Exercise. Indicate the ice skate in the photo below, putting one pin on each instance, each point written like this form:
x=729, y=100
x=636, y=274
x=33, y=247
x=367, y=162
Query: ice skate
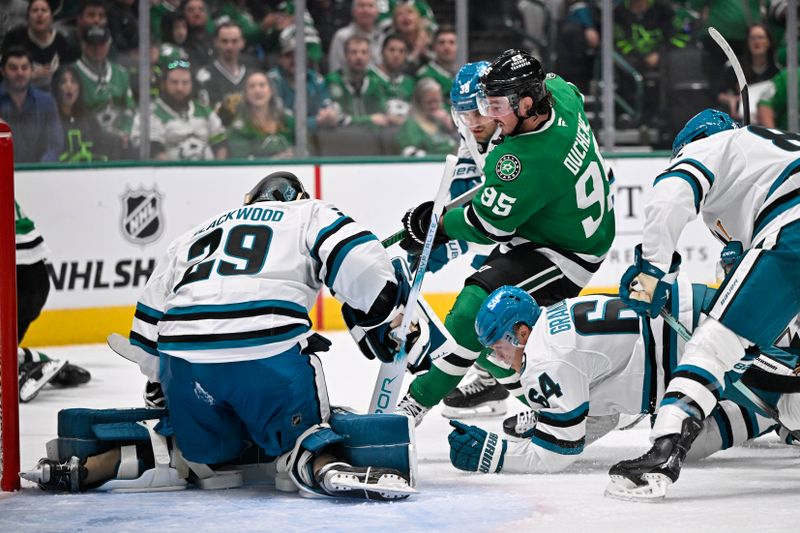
x=647, y=478
x=411, y=408
x=71, y=376
x=341, y=479
x=54, y=476
x=33, y=375
x=483, y=396
x=521, y=425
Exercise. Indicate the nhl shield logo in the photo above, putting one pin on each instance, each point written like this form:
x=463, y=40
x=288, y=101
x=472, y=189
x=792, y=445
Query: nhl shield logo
x=141, y=215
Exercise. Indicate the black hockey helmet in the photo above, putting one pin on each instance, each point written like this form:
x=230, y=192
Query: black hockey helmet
x=279, y=186
x=516, y=74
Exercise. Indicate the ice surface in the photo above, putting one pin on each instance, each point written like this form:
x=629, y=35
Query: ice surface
x=752, y=488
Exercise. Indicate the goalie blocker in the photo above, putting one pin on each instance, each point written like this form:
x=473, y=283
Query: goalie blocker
x=362, y=456
x=427, y=338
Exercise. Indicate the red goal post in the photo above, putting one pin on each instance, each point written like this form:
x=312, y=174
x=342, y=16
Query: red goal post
x=9, y=386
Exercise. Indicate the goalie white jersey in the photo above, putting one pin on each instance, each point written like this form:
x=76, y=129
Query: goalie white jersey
x=591, y=358
x=240, y=286
x=745, y=182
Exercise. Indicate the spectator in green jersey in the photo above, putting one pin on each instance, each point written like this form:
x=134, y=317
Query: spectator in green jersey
x=356, y=89
x=429, y=129
x=442, y=67
x=398, y=86
x=261, y=128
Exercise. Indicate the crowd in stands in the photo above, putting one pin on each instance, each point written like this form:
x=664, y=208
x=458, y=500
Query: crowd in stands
x=379, y=71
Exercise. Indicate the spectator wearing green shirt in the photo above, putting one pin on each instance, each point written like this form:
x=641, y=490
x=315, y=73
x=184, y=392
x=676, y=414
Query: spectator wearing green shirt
x=356, y=89
x=261, y=128
x=429, y=129
x=398, y=86
x=442, y=67
x=773, y=105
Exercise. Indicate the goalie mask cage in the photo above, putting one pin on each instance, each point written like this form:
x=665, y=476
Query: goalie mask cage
x=9, y=391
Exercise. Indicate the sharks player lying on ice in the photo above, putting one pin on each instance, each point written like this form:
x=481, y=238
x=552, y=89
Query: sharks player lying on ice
x=223, y=325
x=584, y=362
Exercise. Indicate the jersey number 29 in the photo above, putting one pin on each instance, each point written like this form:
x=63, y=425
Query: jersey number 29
x=245, y=243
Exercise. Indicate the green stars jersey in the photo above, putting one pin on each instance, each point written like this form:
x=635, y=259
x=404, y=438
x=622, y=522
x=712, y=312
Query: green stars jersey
x=548, y=187
x=30, y=245
x=358, y=103
x=398, y=90
x=189, y=135
x=108, y=96
x=441, y=75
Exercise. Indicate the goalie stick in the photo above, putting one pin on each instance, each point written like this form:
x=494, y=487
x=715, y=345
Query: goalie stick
x=390, y=376
x=741, y=388
x=737, y=69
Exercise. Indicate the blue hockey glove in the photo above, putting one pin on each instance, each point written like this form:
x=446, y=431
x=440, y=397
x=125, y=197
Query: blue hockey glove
x=728, y=257
x=644, y=287
x=475, y=450
x=444, y=253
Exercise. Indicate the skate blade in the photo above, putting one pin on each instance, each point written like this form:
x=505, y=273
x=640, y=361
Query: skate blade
x=387, y=486
x=31, y=388
x=488, y=409
x=36, y=475
x=622, y=488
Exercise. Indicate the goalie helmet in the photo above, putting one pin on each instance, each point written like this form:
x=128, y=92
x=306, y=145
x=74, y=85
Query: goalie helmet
x=515, y=74
x=464, y=93
x=704, y=124
x=279, y=186
x=506, y=307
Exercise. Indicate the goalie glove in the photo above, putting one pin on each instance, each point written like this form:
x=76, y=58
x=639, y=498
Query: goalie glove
x=416, y=222
x=476, y=450
x=376, y=334
x=644, y=287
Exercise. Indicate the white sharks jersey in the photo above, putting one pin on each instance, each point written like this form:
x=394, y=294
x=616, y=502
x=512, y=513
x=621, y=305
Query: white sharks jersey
x=240, y=285
x=745, y=183
x=591, y=356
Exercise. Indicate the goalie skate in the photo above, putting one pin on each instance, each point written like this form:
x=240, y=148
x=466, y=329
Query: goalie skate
x=341, y=479
x=55, y=476
x=34, y=375
x=478, y=398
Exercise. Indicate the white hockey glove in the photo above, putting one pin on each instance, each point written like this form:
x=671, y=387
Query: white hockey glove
x=476, y=450
x=644, y=287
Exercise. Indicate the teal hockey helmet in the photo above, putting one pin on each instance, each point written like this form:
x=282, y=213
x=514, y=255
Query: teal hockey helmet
x=506, y=307
x=704, y=124
x=464, y=94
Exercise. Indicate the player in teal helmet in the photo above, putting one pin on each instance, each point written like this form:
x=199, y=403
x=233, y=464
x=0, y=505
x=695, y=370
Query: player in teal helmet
x=704, y=124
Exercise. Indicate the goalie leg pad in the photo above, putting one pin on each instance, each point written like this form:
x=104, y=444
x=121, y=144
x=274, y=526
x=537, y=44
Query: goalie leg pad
x=381, y=441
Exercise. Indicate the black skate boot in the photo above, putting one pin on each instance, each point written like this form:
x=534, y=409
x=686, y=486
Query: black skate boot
x=54, y=476
x=71, y=376
x=483, y=396
x=34, y=375
x=646, y=478
x=342, y=479
x=520, y=425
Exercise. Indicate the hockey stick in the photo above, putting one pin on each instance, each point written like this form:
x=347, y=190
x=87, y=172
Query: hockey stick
x=390, y=376
x=737, y=69
x=741, y=388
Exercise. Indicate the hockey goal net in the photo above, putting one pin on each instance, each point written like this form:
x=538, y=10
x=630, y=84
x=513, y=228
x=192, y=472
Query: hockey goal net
x=9, y=391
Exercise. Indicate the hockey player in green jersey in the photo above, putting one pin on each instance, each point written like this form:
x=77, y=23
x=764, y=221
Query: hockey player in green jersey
x=546, y=200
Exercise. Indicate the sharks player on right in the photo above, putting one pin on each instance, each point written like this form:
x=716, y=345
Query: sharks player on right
x=746, y=184
x=585, y=361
